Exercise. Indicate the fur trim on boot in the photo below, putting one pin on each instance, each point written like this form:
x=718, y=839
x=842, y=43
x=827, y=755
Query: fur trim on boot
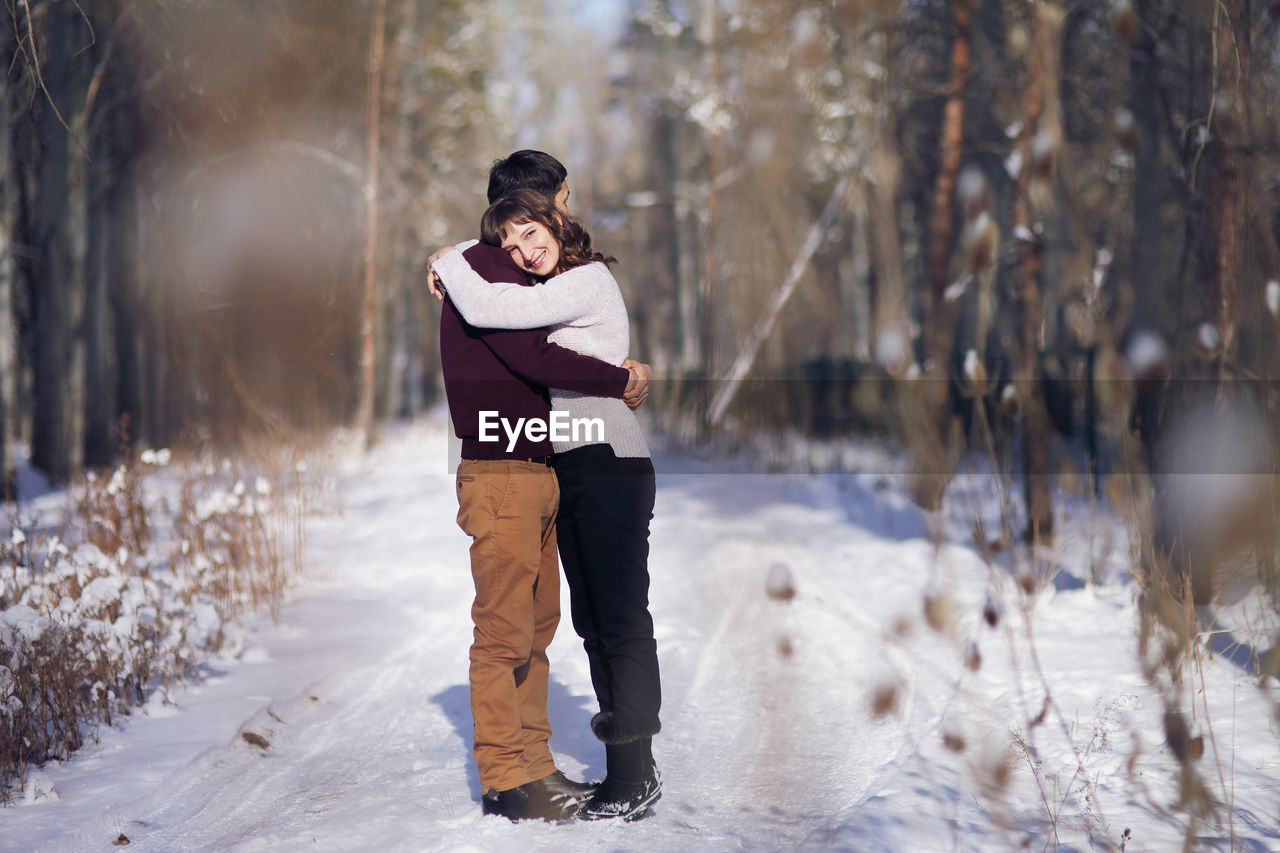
x=608, y=730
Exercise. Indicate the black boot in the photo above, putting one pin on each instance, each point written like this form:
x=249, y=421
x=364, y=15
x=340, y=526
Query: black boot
x=631, y=785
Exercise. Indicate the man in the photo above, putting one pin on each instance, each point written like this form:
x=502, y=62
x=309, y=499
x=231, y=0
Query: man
x=507, y=502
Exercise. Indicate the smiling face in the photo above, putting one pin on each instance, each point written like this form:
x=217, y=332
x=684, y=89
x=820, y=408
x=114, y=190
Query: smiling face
x=532, y=247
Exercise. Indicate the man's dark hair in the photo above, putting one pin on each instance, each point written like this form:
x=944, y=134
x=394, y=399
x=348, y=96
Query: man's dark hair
x=526, y=170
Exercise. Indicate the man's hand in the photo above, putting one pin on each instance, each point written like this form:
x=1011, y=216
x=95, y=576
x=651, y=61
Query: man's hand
x=434, y=284
x=637, y=390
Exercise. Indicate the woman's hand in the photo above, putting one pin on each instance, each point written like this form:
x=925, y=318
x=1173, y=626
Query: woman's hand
x=637, y=390
x=434, y=284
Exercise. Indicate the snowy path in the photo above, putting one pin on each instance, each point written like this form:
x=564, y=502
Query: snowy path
x=360, y=695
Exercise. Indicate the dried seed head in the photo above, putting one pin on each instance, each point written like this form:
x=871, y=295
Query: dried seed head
x=1147, y=356
x=1177, y=735
x=1124, y=20
x=988, y=546
x=893, y=350
x=1027, y=582
x=1043, y=146
x=884, y=699
x=991, y=612
x=975, y=374
x=902, y=627
x=778, y=583
x=1226, y=115
x=954, y=740
x=1208, y=338
x=1009, y=399
x=785, y=647
x=973, y=192
x=1126, y=128
x=1018, y=39
x=973, y=657
x=1000, y=772
x=979, y=240
x=939, y=611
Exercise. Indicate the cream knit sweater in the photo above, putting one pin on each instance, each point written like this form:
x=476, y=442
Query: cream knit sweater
x=584, y=310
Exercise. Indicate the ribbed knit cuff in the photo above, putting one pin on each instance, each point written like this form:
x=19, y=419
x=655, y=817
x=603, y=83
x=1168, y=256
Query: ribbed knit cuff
x=451, y=264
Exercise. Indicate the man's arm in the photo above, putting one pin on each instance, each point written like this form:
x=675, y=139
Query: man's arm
x=528, y=354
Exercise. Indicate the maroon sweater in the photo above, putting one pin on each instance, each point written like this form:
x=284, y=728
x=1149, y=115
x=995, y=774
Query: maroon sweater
x=508, y=370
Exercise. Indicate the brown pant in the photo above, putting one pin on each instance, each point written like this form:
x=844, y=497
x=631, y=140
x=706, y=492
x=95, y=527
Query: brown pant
x=509, y=509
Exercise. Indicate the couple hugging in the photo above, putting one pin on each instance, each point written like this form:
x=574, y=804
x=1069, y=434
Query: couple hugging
x=533, y=336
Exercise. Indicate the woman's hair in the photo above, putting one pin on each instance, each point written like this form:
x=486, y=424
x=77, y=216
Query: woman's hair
x=521, y=206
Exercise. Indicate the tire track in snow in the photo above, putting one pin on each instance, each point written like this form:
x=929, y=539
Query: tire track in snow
x=756, y=731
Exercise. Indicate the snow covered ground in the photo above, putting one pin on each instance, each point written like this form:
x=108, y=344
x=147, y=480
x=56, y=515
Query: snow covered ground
x=346, y=726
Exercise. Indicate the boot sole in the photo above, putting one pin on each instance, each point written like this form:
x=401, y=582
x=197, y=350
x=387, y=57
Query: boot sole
x=637, y=812
x=641, y=811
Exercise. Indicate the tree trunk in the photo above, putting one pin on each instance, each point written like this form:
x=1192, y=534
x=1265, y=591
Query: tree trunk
x=121, y=267
x=99, y=404
x=373, y=130
x=404, y=386
x=8, y=221
x=58, y=274
x=1231, y=170
x=663, y=243
x=939, y=320
x=1041, y=131
x=1148, y=182
x=707, y=281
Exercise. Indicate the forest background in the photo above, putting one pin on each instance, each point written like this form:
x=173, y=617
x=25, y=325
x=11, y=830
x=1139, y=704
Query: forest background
x=1042, y=231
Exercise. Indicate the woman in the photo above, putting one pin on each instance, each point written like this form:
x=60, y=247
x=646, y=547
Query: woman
x=607, y=485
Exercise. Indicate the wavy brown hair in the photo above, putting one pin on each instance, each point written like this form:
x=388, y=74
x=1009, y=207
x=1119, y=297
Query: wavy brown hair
x=521, y=206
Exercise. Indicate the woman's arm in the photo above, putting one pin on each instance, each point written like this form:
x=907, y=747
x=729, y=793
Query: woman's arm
x=433, y=280
x=561, y=299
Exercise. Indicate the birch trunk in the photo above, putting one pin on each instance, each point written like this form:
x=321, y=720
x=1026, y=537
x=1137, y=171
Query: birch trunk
x=369, y=313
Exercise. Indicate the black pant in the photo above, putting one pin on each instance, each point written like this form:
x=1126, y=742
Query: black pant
x=606, y=504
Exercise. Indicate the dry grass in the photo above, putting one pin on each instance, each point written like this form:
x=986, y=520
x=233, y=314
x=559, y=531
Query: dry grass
x=145, y=578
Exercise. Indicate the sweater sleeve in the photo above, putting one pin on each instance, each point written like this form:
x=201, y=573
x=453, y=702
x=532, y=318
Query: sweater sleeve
x=559, y=300
x=528, y=354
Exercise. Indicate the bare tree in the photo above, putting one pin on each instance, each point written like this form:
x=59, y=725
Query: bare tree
x=1230, y=168
x=58, y=222
x=368, y=329
x=1038, y=144
x=8, y=222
